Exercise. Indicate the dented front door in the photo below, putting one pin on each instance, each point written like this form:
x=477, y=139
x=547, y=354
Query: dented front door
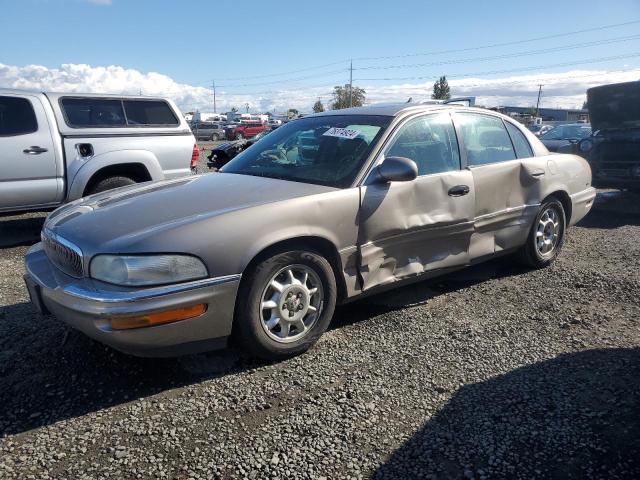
x=409, y=228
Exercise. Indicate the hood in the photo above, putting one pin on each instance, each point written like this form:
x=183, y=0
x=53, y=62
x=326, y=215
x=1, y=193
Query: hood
x=124, y=216
x=615, y=106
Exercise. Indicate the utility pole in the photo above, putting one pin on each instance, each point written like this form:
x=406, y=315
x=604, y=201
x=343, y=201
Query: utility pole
x=214, y=97
x=351, y=84
x=538, y=103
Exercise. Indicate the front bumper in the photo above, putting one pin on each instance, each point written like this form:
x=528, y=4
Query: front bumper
x=86, y=305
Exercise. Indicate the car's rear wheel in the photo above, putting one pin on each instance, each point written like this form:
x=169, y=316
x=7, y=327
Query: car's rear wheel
x=110, y=183
x=547, y=235
x=285, y=304
x=215, y=137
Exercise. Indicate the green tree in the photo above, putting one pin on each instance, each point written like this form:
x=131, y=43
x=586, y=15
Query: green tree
x=341, y=97
x=234, y=109
x=441, y=89
x=585, y=105
x=318, y=107
x=292, y=113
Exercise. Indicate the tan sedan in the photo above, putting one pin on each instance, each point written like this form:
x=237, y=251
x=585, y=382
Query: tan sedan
x=324, y=210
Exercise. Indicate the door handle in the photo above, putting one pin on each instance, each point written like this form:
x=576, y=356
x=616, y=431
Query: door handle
x=458, y=190
x=33, y=150
x=537, y=173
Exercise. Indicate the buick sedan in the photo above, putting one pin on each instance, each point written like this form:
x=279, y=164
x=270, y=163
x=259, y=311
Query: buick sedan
x=324, y=210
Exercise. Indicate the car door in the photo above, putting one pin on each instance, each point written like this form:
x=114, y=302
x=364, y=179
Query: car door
x=28, y=171
x=409, y=228
x=507, y=189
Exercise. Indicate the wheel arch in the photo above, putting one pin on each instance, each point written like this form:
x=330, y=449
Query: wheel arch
x=136, y=171
x=564, y=198
x=318, y=244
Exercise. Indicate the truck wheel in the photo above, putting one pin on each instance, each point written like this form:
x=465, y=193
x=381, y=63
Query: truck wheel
x=546, y=236
x=110, y=183
x=215, y=137
x=285, y=304
x=239, y=136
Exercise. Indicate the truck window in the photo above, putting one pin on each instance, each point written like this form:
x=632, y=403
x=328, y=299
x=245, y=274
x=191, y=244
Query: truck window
x=149, y=113
x=93, y=112
x=16, y=117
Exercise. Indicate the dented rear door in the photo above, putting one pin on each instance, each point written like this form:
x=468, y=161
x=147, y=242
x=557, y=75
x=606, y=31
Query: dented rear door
x=409, y=228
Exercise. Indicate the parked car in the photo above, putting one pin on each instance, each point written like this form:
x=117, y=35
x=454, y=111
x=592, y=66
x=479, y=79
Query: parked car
x=245, y=130
x=221, y=154
x=614, y=150
x=539, y=129
x=265, y=249
x=208, y=131
x=58, y=147
x=565, y=138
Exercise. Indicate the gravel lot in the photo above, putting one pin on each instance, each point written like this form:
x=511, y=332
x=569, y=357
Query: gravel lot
x=493, y=372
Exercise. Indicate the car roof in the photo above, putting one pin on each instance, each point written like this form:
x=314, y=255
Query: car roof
x=57, y=95
x=395, y=109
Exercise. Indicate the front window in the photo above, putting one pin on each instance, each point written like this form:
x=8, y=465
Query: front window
x=326, y=150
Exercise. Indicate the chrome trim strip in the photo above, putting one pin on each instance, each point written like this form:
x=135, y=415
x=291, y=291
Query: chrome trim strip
x=107, y=296
x=506, y=211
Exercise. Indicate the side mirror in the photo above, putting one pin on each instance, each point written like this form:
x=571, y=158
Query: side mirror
x=395, y=169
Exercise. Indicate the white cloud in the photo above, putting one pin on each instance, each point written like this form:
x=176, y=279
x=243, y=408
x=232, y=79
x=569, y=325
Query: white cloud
x=565, y=89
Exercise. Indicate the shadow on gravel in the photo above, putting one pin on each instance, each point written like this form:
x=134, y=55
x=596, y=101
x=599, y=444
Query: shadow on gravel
x=575, y=416
x=16, y=232
x=49, y=373
x=613, y=209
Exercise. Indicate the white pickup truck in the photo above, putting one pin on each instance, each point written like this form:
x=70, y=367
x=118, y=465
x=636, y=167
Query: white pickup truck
x=57, y=147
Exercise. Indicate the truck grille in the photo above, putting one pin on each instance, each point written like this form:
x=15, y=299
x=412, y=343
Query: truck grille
x=62, y=253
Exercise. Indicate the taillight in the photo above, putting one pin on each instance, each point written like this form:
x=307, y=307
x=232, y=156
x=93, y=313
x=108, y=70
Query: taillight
x=195, y=155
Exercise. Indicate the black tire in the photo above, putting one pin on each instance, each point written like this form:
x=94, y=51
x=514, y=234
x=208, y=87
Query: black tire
x=239, y=136
x=215, y=137
x=530, y=254
x=248, y=324
x=110, y=183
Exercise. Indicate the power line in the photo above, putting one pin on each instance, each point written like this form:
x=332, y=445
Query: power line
x=438, y=52
x=509, y=70
x=508, y=55
x=503, y=44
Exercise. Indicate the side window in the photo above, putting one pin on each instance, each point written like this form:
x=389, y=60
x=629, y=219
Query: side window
x=93, y=112
x=430, y=141
x=523, y=149
x=149, y=112
x=485, y=139
x=16, y=117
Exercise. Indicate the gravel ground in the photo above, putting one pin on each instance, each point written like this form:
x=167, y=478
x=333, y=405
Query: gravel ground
x=493, y=372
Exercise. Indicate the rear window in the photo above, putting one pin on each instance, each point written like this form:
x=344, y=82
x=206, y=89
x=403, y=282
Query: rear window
x=149, y=112
x=104, y=113
x=16, y=117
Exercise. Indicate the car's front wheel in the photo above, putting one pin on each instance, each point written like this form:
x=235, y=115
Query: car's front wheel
x=546, y=236
x=285, y=304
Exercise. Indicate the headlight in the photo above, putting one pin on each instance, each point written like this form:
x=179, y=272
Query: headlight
x=146, y=270
x=586, y=145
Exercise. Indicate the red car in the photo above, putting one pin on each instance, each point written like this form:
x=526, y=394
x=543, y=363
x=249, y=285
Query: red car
x=245, y=130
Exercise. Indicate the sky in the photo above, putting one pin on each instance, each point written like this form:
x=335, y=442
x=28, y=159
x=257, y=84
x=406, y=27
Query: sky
x=280, y=54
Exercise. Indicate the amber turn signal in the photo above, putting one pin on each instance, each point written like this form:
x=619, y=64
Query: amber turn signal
x=159, y=318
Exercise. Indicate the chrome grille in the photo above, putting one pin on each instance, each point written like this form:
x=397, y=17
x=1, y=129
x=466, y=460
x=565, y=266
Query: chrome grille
x=62, y=253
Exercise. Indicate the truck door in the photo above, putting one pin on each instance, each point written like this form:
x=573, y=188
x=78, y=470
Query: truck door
x=28, y=173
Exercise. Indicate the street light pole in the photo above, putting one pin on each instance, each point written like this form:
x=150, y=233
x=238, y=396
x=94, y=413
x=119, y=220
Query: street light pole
x=538, y=103
x=351, y=84
x=214, y=96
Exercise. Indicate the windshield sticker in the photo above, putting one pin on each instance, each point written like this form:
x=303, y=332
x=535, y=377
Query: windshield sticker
x=341, y=133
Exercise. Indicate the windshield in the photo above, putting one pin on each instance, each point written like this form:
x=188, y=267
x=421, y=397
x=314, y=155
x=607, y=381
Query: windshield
x=567, y=132
x=326, y=150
